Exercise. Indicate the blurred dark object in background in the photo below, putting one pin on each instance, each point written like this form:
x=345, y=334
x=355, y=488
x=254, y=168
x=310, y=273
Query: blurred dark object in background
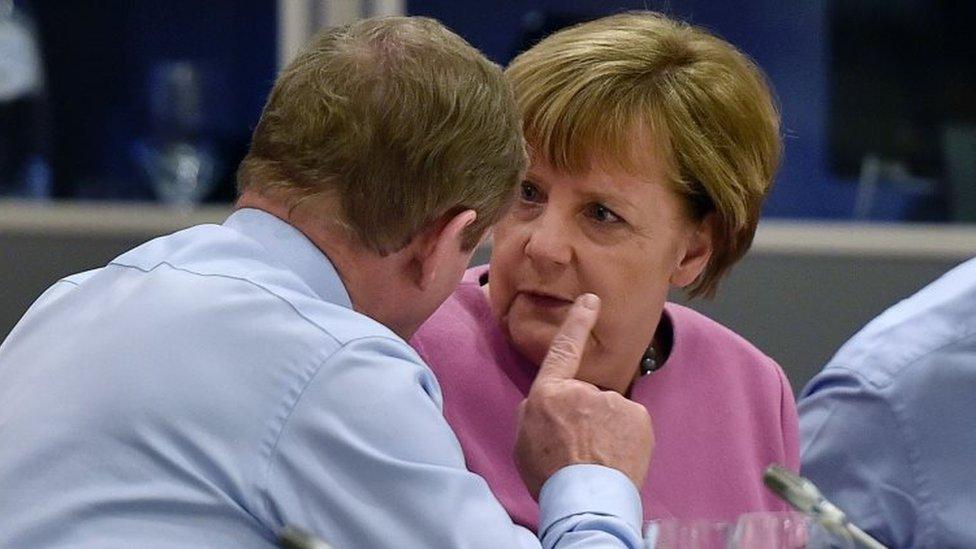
x=960, y=170
x=903, y=74
x=538, y=24
x=23, y=107
x=101, y=57
x=177, y=157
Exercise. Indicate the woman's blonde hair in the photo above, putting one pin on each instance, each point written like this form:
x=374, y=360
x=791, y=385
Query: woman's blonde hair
x=584, y=91
x=399, y=119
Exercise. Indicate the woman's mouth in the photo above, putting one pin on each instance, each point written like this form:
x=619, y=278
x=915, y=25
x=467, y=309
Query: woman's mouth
x=546, y=301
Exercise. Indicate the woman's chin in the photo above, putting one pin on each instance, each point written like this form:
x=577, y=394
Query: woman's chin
x=531, y=341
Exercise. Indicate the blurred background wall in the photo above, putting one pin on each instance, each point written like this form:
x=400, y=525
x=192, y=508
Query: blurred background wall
x=876, y=95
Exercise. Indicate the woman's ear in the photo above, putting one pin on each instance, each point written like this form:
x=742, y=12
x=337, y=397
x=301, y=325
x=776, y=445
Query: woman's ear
x=698, y=246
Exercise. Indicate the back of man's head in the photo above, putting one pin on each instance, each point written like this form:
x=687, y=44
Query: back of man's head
x=400, y=120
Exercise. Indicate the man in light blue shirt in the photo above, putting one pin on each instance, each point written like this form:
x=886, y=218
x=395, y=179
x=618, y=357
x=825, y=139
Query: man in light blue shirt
x=212, y=386
x=889, y=426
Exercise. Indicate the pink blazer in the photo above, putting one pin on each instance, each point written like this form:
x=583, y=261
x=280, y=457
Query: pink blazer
x=722, y=411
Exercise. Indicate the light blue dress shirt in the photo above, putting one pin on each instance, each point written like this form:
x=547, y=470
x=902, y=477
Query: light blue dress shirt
x=209, y=387
x=889, y=426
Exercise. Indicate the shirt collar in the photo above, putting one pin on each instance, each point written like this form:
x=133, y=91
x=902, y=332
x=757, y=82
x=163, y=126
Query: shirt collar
x=294, y=250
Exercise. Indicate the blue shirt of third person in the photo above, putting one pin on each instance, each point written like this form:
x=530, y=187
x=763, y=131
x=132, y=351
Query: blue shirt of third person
x=889, y=427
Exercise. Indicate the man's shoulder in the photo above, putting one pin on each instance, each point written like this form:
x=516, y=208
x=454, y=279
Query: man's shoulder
x=938, y=321
x=210, y=251
x=208, y=271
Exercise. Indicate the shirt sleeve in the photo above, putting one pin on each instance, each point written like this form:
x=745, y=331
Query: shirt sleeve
x=567, y=502
x=366, y=459
x=854, y=451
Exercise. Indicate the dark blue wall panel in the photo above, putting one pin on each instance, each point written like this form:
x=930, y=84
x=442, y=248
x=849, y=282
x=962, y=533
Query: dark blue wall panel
x=99, y=58
x=786, y=37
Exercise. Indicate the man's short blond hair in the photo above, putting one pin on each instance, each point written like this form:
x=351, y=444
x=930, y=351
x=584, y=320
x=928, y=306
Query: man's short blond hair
x=401, y=121
x=584, y=91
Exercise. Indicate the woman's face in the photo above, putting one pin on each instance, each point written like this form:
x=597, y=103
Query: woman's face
x=624, y=238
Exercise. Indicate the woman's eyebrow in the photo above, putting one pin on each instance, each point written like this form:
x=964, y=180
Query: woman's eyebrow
x=609, y=197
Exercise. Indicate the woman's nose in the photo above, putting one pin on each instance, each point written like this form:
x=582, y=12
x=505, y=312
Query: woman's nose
x=549, y=242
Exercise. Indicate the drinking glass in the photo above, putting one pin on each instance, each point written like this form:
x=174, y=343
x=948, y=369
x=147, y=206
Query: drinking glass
x=762, y=530
x=785, y=530
x=178, y=156
x=671, y=533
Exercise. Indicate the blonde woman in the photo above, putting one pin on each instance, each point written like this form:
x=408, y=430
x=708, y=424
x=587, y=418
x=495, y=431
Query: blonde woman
x=653, y=144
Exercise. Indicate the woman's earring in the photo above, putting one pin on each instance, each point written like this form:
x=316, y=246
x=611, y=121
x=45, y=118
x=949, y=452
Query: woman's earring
x=648, y=362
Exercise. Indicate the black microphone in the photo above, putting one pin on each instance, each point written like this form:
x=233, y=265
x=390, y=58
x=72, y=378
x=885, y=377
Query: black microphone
x=295, y=538
x=806, y=498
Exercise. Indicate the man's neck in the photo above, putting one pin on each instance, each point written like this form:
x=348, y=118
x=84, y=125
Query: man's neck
x=376, y=284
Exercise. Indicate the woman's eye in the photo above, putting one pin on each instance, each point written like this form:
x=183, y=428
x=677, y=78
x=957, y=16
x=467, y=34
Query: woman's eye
x=603, y=214
x=529, y=192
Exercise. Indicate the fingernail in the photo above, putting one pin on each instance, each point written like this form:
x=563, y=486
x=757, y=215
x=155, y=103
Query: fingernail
x=590, y=301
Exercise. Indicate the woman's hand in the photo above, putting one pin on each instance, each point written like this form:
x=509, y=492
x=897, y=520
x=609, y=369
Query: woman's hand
x=565, y=421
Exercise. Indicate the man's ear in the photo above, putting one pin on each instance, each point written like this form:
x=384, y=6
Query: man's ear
x=697, y=250
x=443, y=243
